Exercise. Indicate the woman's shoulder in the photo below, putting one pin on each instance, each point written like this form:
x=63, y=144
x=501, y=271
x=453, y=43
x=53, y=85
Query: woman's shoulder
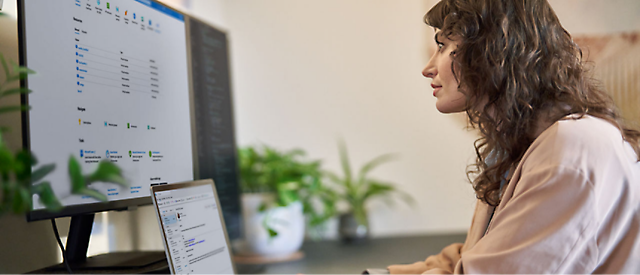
x=586, y=130
x=580, y=142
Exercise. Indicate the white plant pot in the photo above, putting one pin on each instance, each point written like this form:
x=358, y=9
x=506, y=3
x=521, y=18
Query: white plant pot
x=288, y=221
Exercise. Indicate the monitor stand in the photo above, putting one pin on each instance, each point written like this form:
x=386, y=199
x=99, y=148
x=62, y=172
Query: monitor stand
x=78, y=244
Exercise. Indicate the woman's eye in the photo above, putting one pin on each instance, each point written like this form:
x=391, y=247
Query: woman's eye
x=440, y=46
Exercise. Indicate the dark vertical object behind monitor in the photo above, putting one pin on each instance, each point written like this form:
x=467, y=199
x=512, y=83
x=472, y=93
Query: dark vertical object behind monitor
x=215, y=145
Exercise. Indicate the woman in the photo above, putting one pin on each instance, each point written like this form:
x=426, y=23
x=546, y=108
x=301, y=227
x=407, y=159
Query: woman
x=557, y=174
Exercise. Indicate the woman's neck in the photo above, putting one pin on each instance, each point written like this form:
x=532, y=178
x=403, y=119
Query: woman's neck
x=547, y=118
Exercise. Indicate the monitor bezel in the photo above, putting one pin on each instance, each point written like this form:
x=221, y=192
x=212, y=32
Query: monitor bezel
x=88, y=208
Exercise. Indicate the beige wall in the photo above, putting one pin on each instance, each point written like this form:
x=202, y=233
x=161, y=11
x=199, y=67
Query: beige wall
x=598, y=17
x=308, y=72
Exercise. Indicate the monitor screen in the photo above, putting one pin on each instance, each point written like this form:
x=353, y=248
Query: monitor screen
x=112, y=84
x=214, y=127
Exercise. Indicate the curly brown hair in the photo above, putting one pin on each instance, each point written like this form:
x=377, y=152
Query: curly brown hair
x=519, y=65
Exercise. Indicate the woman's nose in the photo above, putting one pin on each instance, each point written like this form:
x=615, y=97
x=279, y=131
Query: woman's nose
x=430, y=70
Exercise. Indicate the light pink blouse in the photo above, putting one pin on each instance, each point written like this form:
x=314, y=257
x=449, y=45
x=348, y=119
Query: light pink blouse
x=572, y=206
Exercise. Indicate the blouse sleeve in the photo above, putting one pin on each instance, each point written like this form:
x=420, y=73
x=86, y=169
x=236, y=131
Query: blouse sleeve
x=444, y=262
x=546, y=226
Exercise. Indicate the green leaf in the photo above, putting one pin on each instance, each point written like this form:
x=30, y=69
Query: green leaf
x=287, y=192
x=6, y=159
x=328, y=210
x=22, y=167
x=272, y=233
x=75, y=174
x=287, y=197
x=16, y=91
x=361, y=216
x=92, y=193
x=270, y=230
x=21, y=69
x=21, y=200
x=20, y=72
x=408, y=199
x=388, y=201
x=47, y=197
x=33, y=160
x=333, y=177
x=377, y=188
x=373, y=164
x=262, y=207
x=16, y=77
x=295, y=153
x=9, y=109
x=288, y=185
x=107, y=172
x=344, y=161
x=42, y=172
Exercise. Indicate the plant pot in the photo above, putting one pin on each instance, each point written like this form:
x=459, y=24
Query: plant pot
x=287, y=221
x=353, y=228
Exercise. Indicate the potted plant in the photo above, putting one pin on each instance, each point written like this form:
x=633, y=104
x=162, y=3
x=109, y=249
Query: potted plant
x=357, y=191
x=280, y=189
x=19, y=183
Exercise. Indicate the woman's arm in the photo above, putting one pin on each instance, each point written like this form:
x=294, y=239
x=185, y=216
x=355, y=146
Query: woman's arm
x=546, y=225
x=445, y=261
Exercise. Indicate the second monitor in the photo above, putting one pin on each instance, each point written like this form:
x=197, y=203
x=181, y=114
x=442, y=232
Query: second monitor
x=214, y=133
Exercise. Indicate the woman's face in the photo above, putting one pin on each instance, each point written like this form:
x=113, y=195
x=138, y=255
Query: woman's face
x=445, y=85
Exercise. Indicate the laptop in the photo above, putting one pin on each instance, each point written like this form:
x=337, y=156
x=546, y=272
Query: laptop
x=193, y=231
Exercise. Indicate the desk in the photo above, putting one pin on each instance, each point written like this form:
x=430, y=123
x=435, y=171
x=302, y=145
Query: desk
x=332, y=257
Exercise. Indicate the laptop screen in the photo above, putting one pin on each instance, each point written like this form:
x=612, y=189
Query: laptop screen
x=193, y=230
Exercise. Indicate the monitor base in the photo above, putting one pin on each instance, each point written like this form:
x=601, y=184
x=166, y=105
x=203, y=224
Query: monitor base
x=117, y=260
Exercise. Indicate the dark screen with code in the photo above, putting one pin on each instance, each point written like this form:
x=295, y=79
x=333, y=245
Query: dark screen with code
x=214, y=125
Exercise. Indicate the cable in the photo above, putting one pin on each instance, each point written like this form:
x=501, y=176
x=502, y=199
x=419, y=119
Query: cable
x=64, y=252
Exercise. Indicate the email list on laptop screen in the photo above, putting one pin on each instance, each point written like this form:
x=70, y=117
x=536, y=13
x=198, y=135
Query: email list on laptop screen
x=193, y=230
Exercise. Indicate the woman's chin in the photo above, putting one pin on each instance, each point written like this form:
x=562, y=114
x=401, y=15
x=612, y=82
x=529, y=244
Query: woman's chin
x=448, y=109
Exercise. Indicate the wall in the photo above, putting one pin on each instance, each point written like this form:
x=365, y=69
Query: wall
x=308, y=72
x=598, y=17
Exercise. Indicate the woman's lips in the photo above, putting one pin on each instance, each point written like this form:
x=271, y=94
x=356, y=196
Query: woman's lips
x=436, y=88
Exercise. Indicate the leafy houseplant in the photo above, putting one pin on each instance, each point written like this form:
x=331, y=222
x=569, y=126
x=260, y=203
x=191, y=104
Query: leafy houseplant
x=357, y=190
x=292, y=182
x=18, y=183
x=266, y=169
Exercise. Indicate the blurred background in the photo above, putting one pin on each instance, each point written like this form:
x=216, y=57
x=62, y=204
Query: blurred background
x=307, y=73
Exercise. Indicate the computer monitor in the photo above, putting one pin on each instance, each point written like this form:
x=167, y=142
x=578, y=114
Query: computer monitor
x=214, y=134
x=112, y=84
